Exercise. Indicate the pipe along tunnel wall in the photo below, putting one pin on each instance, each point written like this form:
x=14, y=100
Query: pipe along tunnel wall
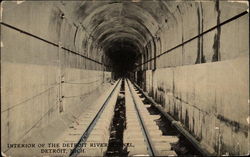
x=191, y=57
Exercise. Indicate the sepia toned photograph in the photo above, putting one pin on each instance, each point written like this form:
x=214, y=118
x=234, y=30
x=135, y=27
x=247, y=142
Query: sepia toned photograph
x=124, y=78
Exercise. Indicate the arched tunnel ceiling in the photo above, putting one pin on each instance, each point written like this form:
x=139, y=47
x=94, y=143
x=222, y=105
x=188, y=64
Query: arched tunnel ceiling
x=132, y=27
x=137, y=20
x=124, y=42
x=120, y=29
x=107, y=21
x=113, y=37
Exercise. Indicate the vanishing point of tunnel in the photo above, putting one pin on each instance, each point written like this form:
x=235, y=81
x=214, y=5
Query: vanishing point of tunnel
x=190, y=57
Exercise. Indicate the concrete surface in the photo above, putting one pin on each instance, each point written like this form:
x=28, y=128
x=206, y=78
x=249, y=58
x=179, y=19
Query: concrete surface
x=210, y=99
x=55, y=53
x=42, y=85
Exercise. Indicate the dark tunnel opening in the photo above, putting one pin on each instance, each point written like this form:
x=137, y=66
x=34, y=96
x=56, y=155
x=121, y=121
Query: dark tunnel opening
x=123, y=55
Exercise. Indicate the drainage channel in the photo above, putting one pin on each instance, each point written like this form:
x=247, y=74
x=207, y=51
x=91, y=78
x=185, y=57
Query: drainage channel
x=115, y=145
x=183, y=146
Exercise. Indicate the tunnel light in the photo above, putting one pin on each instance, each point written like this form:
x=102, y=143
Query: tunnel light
x=62, y=16
x=19, y=2
x=136, y=1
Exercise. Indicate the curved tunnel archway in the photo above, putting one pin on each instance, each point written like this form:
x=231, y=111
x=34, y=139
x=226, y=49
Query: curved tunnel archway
x=115, y=26
x=59, y=52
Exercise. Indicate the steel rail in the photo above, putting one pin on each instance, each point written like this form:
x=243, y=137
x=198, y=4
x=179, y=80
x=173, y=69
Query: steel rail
x=202, y=149
x=87, y=132
x=151, y=148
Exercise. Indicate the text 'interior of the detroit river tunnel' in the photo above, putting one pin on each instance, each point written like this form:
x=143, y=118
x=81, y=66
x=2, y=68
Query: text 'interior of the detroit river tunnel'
x=67, y=64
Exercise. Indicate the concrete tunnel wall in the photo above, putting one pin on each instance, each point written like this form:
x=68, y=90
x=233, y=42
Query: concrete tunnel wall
x=204, y=83
x=43, y=82
x=54, y=57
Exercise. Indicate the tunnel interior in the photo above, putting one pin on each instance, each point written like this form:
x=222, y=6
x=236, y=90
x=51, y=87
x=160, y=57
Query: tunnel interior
x=192, y=57
x=121, y=31
x=123, y=55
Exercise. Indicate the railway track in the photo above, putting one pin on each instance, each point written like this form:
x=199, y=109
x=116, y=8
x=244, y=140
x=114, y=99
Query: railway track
x=142, y=130
x=119, y=124
x=97, y=131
